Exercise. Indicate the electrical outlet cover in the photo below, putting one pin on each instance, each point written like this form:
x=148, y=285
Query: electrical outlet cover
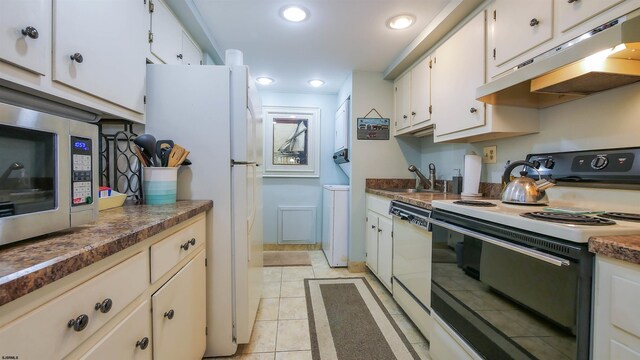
x=490, y=154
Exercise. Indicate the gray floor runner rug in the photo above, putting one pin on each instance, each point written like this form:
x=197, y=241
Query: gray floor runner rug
x=347, y=321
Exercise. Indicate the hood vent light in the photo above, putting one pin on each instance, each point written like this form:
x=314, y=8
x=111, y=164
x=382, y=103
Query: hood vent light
x=573, y=70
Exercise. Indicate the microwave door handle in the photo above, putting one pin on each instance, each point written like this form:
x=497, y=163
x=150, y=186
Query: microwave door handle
x=554, y=260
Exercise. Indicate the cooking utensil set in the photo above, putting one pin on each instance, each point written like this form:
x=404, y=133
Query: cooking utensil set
x=160, y=153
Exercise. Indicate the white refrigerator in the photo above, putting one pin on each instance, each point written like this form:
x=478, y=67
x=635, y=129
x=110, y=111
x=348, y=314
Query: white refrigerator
x=335, y=224
x=215, y=112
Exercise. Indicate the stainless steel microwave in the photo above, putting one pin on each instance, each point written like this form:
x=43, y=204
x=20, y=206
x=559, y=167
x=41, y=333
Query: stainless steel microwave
x=48, y=173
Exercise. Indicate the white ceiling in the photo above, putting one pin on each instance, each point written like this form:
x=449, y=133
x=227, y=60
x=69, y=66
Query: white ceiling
x=338, y=37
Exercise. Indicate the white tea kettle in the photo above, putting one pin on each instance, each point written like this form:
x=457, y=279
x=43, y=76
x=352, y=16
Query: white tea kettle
x=524, y=190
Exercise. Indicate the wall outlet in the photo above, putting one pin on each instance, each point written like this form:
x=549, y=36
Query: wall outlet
x=489, y=154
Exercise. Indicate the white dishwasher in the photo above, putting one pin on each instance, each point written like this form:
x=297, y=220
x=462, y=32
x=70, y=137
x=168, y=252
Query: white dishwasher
x=412, y=248
x=335, y=224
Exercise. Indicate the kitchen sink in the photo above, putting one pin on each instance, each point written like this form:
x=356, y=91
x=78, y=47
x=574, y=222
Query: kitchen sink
x=410, y=190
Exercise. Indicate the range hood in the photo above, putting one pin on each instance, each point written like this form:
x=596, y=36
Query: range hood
x=601, y=59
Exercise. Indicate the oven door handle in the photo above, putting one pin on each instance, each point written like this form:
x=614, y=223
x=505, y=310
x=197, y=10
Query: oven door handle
x=554, y=260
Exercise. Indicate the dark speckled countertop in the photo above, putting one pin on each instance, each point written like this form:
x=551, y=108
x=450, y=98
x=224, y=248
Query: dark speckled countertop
x=625, y=248
x=29, y=265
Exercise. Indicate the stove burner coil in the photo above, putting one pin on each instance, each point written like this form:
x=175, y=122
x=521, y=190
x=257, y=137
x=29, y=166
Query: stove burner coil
x=621, y=216
x=564, y=218
x=474, y=203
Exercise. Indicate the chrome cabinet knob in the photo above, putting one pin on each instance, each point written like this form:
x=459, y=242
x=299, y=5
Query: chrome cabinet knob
x=104, y=306
x=31, y=32
x=179, y=56
x=473, y=110
x=534, y=22
x=169, y=314
x=571, y=1
x=143, y=343
x=79, y=323
x=413, y=113
x=77, y=57
x=404, y=116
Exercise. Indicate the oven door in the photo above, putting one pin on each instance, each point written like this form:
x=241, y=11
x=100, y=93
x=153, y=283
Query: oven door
x=412, y=272
x=508, y=300
x=34, y=173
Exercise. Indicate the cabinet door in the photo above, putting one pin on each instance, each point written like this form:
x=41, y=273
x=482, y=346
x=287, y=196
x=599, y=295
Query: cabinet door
x=167, y=34
x=520, y=25
x=385, y=250
x=458, y=69
x=191, y=54
x=29, y=51
x=179, y=314
x=372, y=241
x=421, y=93
x=110, y=39
x=572, y=13
x=127, y=340
x=403, y=102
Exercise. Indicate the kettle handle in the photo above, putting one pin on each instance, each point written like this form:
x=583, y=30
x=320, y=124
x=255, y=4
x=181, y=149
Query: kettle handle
x=513, y=165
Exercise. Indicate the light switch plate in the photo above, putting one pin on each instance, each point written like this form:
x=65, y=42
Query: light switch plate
x=490, y=154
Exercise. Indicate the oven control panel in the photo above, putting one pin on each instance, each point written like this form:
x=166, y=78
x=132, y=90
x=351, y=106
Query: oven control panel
x=82, y=168
x=414, y=215
x=606, y=165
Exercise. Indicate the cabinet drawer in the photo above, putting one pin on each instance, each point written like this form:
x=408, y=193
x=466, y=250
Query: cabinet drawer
x=624, y=310
x=168, y=252
x=126, y=341
x=48, y=325
x=379, y=204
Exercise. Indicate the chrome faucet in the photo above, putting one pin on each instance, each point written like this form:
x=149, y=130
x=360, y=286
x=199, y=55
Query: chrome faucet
x=421, y=181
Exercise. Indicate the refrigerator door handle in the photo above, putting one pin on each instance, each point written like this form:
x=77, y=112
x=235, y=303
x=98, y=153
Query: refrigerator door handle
x=234, y=163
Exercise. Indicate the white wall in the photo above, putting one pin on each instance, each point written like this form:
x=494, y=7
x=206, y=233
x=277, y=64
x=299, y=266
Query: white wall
x=372, y=158
x=607, y=120
x=302, y=191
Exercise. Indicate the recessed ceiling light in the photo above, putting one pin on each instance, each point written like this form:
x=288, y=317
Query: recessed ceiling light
x=400, y=22
x=316, y=82
x=263, y=80
x=294, y=13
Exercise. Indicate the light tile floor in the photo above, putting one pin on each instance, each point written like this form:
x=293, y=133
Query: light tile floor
x=281, y=331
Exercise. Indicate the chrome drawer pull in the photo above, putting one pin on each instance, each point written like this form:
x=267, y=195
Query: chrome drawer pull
x=169, y=314
x=79, y=323
x=142, y=344
x=104, y=306
x=554, y=260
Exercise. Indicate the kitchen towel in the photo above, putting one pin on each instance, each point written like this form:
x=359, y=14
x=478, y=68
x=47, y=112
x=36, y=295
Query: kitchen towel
x=471, y=179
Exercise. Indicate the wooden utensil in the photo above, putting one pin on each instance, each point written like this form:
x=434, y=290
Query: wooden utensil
x=143, y=160
x=176, y=156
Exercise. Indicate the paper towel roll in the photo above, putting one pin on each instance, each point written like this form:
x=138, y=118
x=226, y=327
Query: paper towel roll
x=233, y=57
x=471, y=180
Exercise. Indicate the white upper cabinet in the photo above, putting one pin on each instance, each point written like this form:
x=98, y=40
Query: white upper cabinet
x=191, y=54
x=167, y=34
x=520, y=25
x=169, y=42
x=25, y=34
x=458, y=69
x=403, y=102
x=573, y=12
x=412, y=99
x=99, y=47
x=420, y=93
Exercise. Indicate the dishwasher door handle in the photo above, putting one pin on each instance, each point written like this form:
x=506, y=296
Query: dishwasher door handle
x=554, y=260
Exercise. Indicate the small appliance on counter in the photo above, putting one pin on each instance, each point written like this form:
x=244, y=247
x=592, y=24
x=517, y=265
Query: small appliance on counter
x=49, y=166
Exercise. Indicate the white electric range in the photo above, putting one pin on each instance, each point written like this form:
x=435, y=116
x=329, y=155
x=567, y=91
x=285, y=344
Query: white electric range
x=515, y=281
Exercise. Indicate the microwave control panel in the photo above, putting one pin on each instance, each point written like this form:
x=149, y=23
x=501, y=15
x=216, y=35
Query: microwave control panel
x=81, y=178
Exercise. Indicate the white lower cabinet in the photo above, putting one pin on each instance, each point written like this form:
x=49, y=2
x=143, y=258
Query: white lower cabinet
x=131, y=339
x=179, y=314
x=379, y=242
x=616, y=323
x=62, y=324
x=104, y=310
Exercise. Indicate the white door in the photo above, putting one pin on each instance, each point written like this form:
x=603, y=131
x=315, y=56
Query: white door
x=109, y=38
x=385, y=249
x=191, y=54
x=29, y=51
x=341, y=127
x=167, y=34
x=372, y=241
